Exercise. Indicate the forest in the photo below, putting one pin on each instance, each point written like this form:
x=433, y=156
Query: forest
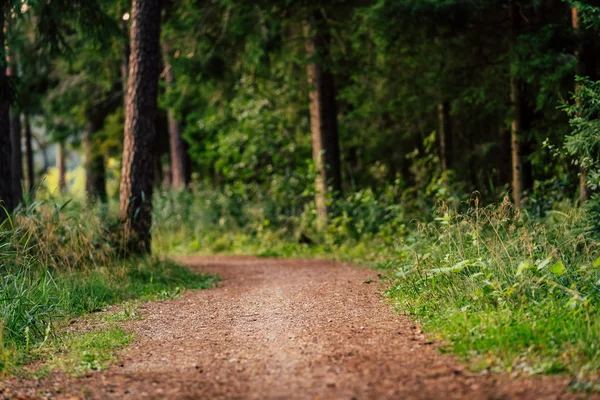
x=453, y=147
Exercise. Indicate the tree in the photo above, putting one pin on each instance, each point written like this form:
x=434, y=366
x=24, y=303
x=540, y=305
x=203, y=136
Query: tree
x=29, y=155
x=15, y=134
x=7, y=195
x=516, y=127
x=61, y=166
x=140, y=132
x=586, y=67
x=176, y=145
x=445, y=136
x=95, y=170
x=323, y=114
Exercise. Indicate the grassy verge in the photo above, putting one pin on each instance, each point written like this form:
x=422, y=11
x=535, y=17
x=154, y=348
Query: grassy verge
x=57, y=264
x=503, y=290
x=37, y=302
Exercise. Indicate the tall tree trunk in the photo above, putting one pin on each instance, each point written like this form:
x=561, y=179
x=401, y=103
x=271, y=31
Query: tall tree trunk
x=61, y=166
x=125, y=53
x=515, y=143
x=587, y=67
x=504, y=159
x=445, y=136
x=6, y=184
x=140, y=132
x=187, y=164
x=16, y=156
x=95, y=170
x=176, y=147
x=29, y=155
x=516, y=98
x=323, y=116
x=15, y=133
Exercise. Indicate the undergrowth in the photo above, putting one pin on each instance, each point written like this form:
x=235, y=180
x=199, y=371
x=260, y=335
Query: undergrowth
x=58, y=263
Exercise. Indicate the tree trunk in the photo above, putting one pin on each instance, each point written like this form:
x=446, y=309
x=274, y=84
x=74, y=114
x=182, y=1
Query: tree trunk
x=187, y=164
x=323, y=116
x=516, y=99
x=16, y=156
x=6, y=184
x=587, y=67
x=61, y=167
x=140, y=132
x=125, y=53
x=29, y=156
x=515, y=143
x=445, y=136
x=15, y=135
x=504, y=159
x=95, y=170
x=176, y=147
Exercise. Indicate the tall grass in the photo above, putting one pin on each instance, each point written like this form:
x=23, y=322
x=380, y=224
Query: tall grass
x=506, y=290
x=62, y=261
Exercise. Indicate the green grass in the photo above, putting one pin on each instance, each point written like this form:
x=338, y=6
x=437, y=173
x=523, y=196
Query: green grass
x=58, y=263
x=36, y=301
x=78, y=353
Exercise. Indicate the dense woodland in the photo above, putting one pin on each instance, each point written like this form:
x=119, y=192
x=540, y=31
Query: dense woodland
x=424, y=96
x=303, y=127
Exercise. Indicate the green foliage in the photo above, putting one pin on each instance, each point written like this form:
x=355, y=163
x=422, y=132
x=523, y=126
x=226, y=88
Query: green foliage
x=506, y=292
x=583, y=143
x=584, y=140
x=78, y=353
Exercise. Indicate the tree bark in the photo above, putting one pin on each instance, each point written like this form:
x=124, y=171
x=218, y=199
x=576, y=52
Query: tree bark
x=140, y=132
x=95, y=170
x=61, y=167
x=323, y=116
x=176, y=146
x=6, y=184
x=445, y=136
x=29, y=155
x=515, y=144
x=125, y=53
x=15, y=138
x=16, y=156
x=516, y=99
x=587, y=67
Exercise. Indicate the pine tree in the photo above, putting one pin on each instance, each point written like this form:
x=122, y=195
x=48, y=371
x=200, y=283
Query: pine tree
x=137, y=176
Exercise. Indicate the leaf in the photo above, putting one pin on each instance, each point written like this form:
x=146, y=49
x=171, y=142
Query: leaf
x=596, y=263
x=543, y=264
x=455, y=268
x=523, y=266
x=558, y=269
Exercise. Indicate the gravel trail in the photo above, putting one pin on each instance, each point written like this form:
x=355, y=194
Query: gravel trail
x=283, y=329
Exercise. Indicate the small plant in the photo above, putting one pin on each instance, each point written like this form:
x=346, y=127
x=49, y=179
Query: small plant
x=77, y=353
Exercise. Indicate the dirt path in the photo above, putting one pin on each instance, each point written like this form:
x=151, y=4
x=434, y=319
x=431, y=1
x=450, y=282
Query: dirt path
x=278, y=329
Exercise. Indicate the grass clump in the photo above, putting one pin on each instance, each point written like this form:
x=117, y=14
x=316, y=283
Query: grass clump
x=55, y=264
x=77, y=353
x=504, y=290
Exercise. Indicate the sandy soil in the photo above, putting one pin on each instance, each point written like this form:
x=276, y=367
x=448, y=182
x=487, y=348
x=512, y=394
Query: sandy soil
x=283, y=329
